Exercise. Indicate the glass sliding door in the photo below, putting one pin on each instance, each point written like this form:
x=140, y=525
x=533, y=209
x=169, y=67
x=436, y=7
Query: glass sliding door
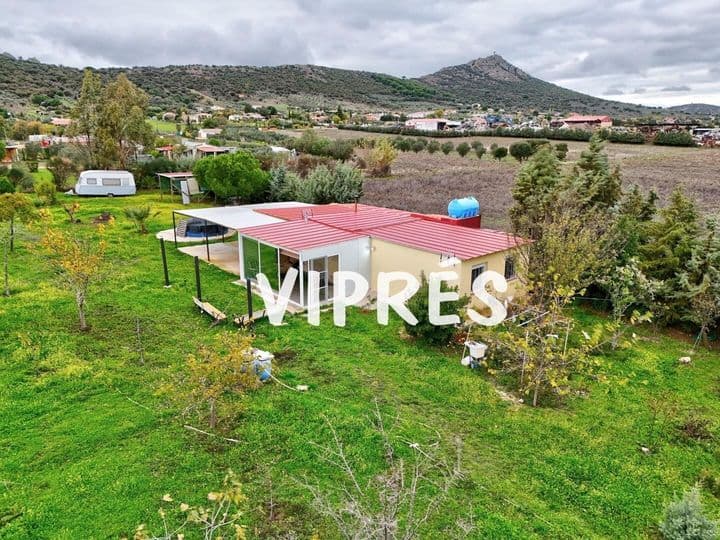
x=259, y=257
x=325, y=266
x=251, y=257
x=269, y=265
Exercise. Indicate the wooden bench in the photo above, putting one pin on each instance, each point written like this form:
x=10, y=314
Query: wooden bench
x=207, y=307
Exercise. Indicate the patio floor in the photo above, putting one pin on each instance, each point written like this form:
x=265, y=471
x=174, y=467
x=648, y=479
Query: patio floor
x=223, y=255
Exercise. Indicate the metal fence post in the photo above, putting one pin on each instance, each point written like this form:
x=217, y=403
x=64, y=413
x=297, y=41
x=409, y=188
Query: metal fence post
x=197, y=278
x=164, y=261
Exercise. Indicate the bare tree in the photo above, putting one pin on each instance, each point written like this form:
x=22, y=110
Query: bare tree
x=392, y=505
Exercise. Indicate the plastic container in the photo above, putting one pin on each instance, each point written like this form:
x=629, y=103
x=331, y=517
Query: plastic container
x=476, y=349
x=464, y=208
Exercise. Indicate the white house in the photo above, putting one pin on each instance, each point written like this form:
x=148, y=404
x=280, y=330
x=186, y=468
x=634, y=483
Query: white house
x=206, y=133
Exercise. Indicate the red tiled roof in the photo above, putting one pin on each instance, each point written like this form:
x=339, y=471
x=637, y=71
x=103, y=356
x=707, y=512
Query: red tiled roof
x=365, y=219
x=463, y=242
x=333, y=223
x=290, y=213
x=299, y=235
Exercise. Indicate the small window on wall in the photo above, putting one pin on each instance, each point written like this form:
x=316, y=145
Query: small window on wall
x=91, y=181
x=475, y=273
x=111, y=182
x=510, y=268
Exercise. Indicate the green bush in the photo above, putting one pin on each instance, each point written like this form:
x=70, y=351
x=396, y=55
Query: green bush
x=21, y=177
x=310, y=143
x=433, y=146
x=6, y=186
x=463, y=149
x=521, y=150
x=402, y=144
x=323, y=185
x=561, y=150
x=624, y=137
x=424, y=330
x=674, y=138
x=46, y=191
x=145, y=173
x=283, y=184
x=447, y=147
x=418, y=145
x=500, y=153
x=233, y=176
x=686, y=520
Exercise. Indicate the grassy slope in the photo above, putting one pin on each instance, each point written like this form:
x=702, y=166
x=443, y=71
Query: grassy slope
x=81, y=460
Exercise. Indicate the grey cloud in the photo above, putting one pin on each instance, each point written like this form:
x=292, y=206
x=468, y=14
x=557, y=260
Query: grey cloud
x=614, y=91
x=639, y=90
x=678, y=88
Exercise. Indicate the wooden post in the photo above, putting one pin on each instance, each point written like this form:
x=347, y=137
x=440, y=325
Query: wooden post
x=248, y=286
x=174, y=229
x=164, y=261
x=197, y=278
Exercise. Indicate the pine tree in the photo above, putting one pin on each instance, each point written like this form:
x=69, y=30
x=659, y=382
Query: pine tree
x=700, y=282
x=667, y=250
x=594, y=181
x=535, y=191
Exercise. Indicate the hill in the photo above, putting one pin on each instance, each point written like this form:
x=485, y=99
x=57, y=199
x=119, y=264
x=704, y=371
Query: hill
x=701, y=109
x=491, y=81
x=495, y=82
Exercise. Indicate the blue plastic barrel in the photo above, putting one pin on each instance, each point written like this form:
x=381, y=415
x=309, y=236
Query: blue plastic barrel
x=464, y=208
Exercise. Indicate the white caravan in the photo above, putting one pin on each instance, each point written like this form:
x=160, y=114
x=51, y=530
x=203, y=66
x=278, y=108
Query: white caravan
x=107, y=183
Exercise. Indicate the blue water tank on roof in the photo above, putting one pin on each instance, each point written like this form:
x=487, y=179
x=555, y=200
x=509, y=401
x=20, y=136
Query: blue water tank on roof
x=464, y=208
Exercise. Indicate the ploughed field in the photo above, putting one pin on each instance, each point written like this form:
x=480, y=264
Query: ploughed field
x=426, y=182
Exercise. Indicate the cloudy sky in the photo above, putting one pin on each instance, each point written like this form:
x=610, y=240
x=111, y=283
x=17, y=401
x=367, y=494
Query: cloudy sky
x=661, y=52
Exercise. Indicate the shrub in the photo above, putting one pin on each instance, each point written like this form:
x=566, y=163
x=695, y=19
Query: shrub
x=324, y=185
x=140, y=215
x=6, y=186
x=46, y=191
x=61, y=169
x=480, y=150
x=521, y=150
x=463, y=148
x=418, y=145
x=381, y=158
x=310, y=143
x=561, y=150
x=21, y=177
x=233, y=176
x=424, y=330
x=32, y=166
x=447, y=148
x=433, y=146
x=402, y=144
x=145, y=173
x=305, y=164
x=283, y=184
x=686, y=520
x=626, y=137
x=500, y=153
x=670, y=138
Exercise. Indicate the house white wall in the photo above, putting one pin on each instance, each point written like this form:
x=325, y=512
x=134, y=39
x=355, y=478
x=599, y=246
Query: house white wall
x=354, y=255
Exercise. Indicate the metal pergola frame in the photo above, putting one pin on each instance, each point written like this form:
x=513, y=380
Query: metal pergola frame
x=205, y=235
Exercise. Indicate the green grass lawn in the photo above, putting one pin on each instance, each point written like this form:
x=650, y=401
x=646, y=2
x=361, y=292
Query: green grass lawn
x=163, y=126
x=89, y=447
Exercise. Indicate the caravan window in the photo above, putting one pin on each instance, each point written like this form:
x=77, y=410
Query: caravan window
x=91, y=181
x=110, y=181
